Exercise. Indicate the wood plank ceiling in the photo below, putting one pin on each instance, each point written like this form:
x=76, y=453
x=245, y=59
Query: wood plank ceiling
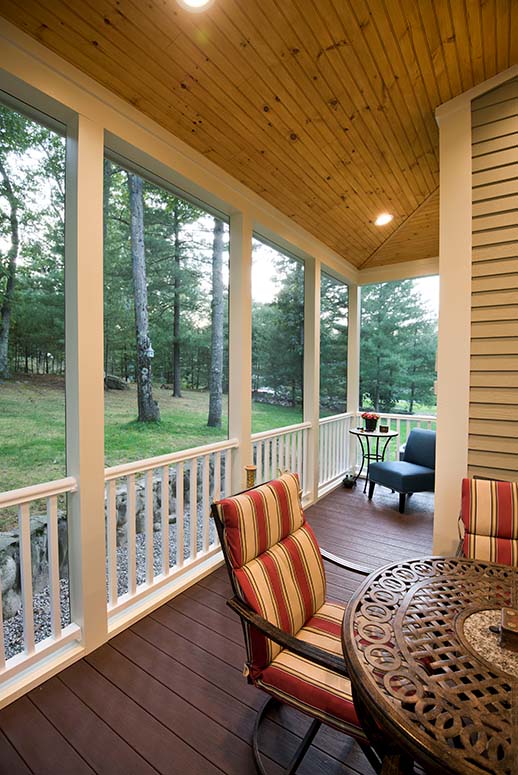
x=323, y=107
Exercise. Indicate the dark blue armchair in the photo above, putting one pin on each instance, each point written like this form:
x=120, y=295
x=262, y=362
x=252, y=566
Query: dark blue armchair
x=414, y=473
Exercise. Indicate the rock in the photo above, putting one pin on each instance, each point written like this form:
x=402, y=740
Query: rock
x=112, y=382
x=8, y=572
x=11, y=604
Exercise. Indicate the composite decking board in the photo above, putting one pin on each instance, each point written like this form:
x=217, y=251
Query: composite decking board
x=42, y=747
x=180, y=710
x=211, y=641
x=152, y=739
x=230, y=680
x=168, y=694
x=102, y=748
x=10, y=759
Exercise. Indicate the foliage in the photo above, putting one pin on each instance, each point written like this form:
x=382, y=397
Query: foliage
x=333, y=345
x=398, y=345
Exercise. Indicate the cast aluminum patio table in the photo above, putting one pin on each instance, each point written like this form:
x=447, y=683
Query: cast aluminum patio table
x=377, y=452
x=430, y=681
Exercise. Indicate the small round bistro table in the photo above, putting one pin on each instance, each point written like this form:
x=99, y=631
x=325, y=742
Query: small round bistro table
x=377, y=451
x=427, y=687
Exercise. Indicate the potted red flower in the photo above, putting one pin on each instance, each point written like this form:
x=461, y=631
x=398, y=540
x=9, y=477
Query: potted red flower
x=371, y=420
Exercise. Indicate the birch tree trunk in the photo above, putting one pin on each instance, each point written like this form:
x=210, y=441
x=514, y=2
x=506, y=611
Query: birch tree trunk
x=10, y=272
x=216, y=350
x=177, y=373
x=148, y=410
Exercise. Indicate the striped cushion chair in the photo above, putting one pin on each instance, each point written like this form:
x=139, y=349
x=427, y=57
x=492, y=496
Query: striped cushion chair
x=292, y=633
x=489, y=519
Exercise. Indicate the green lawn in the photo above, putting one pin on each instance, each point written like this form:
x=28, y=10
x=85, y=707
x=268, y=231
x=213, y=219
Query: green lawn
x=32, y=427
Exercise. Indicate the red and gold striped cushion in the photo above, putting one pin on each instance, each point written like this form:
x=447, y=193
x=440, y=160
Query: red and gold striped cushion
x=490, y=517
x=256, y=520
x=311, y=688
x=286, y=586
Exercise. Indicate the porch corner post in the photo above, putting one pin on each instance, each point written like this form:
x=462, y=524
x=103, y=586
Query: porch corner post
x=312, y=275
x=240, y=346
x=353, y=363
x=454, y=345
x=84, y=379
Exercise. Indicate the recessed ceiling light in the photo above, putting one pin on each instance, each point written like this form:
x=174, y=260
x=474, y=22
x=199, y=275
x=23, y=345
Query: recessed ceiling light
x=383, y=219
x=195, y=5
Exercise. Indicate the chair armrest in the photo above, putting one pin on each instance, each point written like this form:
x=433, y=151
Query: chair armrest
x=345, y=564
x=297, y=646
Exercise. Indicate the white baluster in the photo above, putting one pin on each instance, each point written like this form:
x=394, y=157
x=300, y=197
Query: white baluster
x=216, y=487
x=149, y=526
x=193, y=508
x=164, y=492
x=298, y=465
x=53, y=552
x=205, y=503
x=111, y=531
x=179, y=506
x=24, y=528
x=228, y=472
x=267, y=459
x=293, y=446
x=258, y=461
x=132, y=534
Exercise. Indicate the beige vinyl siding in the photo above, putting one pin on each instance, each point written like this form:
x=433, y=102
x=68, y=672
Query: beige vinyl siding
x=493, y=428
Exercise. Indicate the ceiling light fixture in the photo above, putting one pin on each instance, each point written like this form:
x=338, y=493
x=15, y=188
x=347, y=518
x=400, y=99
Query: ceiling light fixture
x=383, y=219
x=195, y=5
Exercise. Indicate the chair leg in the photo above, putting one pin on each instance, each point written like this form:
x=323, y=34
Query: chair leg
x=303, y=747
x=371, y=489
x=299, y=753
x=401, y=502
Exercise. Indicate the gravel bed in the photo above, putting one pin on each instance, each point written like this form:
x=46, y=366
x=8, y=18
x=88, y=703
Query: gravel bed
x=13, y=628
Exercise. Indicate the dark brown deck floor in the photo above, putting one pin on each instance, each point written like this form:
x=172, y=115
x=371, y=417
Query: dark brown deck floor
x=168, y=696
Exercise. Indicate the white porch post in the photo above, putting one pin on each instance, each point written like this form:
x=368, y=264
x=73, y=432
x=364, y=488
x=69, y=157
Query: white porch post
x=240, y=346
x=84, y=379
x=353, y=362
x=312, y=271
x=453, y=356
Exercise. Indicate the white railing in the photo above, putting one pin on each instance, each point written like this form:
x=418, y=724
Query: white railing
x=282, y=449
x=403, y=424
x=334, y=446
x=45, y=626
x=338, y=452
x=158, y=519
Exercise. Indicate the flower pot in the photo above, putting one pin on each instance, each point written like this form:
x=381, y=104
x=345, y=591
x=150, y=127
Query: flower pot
x=370, y=424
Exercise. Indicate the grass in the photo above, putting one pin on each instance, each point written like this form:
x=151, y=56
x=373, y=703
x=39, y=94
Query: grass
x=32, y=427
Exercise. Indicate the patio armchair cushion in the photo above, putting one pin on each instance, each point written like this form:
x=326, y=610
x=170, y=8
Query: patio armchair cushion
x=490, y=519
x=309, y=687
x=402, y=476
x=277, y=570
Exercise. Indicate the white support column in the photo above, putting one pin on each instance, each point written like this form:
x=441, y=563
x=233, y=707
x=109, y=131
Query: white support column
x=84, y=379
x=312, y=271
x=453, y=356
x=353, y=362
x=240, y=346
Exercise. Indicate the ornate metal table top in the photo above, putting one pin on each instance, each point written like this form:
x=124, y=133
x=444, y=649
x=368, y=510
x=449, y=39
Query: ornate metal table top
x=418, y=676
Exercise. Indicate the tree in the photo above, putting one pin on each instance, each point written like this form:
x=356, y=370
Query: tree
x=9, y=271
x=393, y=315
x=333, y=345
x=148, y=410
x=216, y=349
x=32, y=226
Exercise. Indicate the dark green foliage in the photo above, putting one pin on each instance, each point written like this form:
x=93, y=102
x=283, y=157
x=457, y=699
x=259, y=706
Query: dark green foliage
x=278, y=333
x=398, y=346
x=333, y=345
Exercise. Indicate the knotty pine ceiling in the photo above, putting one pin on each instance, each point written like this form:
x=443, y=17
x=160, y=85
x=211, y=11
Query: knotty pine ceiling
x=323, y=107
